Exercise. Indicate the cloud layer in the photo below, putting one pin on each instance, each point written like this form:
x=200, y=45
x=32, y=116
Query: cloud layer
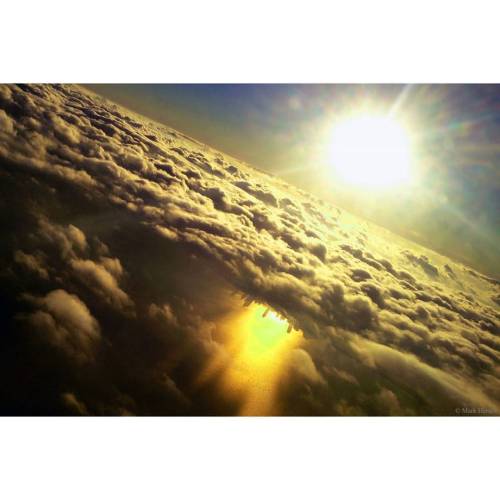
x=126, y=245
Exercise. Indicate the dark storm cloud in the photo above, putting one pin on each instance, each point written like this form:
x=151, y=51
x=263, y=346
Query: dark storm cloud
x=126, y=243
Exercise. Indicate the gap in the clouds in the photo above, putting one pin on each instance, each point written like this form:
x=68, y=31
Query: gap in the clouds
x=258, y=348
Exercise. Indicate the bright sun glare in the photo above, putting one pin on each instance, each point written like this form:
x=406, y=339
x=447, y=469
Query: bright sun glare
x=371, y=151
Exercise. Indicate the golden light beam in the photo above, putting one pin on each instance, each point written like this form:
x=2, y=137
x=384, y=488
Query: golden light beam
x=258, y=348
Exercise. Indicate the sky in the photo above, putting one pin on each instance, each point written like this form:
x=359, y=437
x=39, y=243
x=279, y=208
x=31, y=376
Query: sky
x=286, y=130
x=144, y=273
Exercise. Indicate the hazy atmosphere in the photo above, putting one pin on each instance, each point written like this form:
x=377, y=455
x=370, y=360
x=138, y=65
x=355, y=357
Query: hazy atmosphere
x=144, y=272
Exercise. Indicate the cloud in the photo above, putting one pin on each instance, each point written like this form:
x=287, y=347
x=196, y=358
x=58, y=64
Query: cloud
x=32, y=263
x=302, y=364
x=67, y=239
x=67, y=323
x=423, y=262
x=126, y=245
x=440, y=390
x=389, y=403
x=6, y=124
x=73, y=405
x=102, y=281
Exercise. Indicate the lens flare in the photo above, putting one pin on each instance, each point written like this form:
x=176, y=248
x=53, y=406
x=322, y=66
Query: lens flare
x=371, y=151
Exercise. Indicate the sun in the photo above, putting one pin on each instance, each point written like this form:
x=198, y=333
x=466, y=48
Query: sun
x=371, y=151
